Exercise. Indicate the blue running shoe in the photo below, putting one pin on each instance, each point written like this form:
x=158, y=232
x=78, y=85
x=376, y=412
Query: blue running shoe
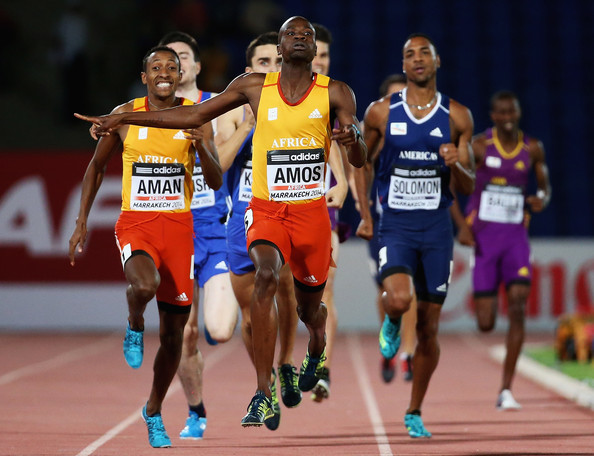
x=157, y=435
x=389, y=338
x=273, y=422
x=415, y=427
x=311, y=371
x=259, y=410
x=133, y=347
x=195, y=427
x=208, y=337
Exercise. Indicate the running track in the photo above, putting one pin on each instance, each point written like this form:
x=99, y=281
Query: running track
x=73, y=394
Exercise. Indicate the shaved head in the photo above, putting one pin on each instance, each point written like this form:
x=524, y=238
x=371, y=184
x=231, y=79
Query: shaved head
x=295, y=18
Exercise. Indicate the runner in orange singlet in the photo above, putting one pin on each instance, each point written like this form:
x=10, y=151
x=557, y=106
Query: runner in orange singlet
x=156, y=194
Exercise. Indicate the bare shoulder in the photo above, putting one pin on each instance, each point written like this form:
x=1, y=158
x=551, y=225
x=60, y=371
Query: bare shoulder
x=480, y=140
x=249, y=80
x=479, y=146
x=124, y=107
x=534, y=143
x=459, y=112
x=338, y=88
x=380, y=104
x=378, y=109
x=536, y=149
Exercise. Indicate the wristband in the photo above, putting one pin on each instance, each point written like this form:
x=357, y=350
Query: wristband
x=358, y=135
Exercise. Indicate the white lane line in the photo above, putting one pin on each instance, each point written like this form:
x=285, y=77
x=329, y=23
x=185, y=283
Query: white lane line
x=59, y=360
x=209, y=361
x=367, y=391
x=565, y=386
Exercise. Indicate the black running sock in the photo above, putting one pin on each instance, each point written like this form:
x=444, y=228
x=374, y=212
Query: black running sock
x=199, y=409
x=414, y=412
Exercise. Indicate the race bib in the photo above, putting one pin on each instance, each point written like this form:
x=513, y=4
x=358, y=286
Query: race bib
x=245, y=182
x=415, y=188
x=157, y=186
x=295, y=175
x=203, y=195
x=502, y=204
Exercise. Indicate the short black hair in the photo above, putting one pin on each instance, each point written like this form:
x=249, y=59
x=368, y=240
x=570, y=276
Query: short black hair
x=391, y=79
x=159, y=49
x=174, y=37
x=322, y=33
x=502, y=95
x=260, y=40
x=420, y=35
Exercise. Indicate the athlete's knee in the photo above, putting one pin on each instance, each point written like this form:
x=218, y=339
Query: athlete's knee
x=266, y=281
x=517, y=296
x=398, y=300
x=427, y=341
x=172, y=340
x=427, y=330
x=515, y=312
x=485, y=320
x=486, y=313
x=144, y=290
x=312, y=312
x=191, y=335
x=485, y=325
x=221, y=333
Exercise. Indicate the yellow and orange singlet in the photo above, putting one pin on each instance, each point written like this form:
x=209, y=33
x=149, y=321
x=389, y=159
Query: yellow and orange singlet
x=157, y=167
x=291, y=143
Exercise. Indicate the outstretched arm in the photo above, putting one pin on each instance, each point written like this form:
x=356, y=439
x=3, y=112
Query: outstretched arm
x=342, y=101
x=241, y=90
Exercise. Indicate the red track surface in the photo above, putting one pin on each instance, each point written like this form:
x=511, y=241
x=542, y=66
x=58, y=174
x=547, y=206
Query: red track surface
x=72, y=394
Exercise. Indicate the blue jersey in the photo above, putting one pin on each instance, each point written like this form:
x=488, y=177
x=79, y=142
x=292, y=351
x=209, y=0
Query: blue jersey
x=239, y=183
x=411, y=175
x=208, y=205
x=239, y=177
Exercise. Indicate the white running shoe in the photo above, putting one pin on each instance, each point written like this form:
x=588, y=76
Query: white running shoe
x=506, y=401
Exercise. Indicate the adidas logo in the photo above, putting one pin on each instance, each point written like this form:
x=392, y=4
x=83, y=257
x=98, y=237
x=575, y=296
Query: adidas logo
x=182, y=297
x=315, y=114
x=311, y=278
x=436, y=132
x=179, y=135
x=442, y=288
x=221, y=265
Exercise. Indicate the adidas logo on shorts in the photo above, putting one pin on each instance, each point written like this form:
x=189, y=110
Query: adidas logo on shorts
x=310, y=279
x=222, y=265
x=182, y=297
